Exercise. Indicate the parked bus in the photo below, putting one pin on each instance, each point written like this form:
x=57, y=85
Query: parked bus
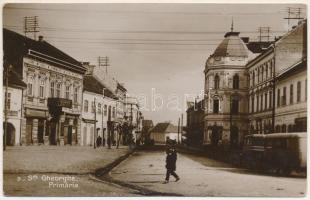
x=282, y=152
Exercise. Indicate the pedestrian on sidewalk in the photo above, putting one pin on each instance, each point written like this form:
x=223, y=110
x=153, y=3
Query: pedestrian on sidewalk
x=171, y=163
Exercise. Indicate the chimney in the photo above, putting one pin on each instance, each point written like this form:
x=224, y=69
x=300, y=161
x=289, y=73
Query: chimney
x=245, y=39
x=89, y=68
x=40, y=38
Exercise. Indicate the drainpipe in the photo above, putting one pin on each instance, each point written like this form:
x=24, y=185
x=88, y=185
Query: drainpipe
x=21, y=119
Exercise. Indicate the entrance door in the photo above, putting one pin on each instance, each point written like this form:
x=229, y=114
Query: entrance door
x=53, y=133
x=10, y=134
x=70, y=135
x=234, y=136
x=29, y=131
x=40, y=131
x=85, y=136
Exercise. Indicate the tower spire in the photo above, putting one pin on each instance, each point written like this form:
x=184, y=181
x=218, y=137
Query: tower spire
x=232, y=25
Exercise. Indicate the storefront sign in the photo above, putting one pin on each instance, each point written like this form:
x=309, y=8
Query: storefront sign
x=59, y=102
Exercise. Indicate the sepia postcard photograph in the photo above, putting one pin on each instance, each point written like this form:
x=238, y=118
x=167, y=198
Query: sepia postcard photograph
x=154, y=99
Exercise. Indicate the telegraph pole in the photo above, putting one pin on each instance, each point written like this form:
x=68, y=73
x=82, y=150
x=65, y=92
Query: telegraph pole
x=95, y=127
x=264, y=32
x=293, y=13
x=104, y=62
x=31, y=25
x=179, y=131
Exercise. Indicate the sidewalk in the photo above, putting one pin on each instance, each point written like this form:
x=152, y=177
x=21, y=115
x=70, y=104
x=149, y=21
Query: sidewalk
x=59, y=159
x=42, y=170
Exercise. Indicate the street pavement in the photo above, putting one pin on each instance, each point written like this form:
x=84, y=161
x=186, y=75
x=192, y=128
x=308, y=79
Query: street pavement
x=59, y=171
x=201, y=176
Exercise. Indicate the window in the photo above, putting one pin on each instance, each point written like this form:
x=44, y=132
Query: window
x=216, y=82
x=58, y=89
x=284, y=97
x=215, y=106
x=291, y=94
x=93, y=107
x=236, y=82
x=41, y=89
x=261, y=102
x=85, y=106
x=257, y=103
x=99, y=108
x=75, y=95
x=252, y=104
x=298, y=91
x=270, y=99
x=67, y=96
x=258, y=75
x=266, y=100
x=266, y=70
x=234, y=106
x=105, y=110
x=253, y=78
x=52, y=89
x=263, y=70
x=278, y=99
x=29, y=89
x=113, y=112
x=8, y=105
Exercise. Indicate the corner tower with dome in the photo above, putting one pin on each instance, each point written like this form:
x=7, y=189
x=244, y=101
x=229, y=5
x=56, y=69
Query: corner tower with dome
x=226, y=103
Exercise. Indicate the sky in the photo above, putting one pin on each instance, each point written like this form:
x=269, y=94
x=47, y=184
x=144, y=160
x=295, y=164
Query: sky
x=157, y=50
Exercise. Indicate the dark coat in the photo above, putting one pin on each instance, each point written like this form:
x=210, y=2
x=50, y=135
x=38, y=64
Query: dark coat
x=171, y=159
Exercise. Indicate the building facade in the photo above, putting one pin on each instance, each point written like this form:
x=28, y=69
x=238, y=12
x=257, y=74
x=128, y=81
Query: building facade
x=226, y=87
x=13, y=107
x=52, y=102
x=195, y=123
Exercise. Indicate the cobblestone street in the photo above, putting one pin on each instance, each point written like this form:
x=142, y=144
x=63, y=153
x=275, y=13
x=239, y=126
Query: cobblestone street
x=201, y=176
x=27, y=169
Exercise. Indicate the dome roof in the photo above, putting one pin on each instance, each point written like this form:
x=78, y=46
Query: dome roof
x=231, y=46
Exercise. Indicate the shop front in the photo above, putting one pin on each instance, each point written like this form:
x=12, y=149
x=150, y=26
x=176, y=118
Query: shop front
x=63, y=127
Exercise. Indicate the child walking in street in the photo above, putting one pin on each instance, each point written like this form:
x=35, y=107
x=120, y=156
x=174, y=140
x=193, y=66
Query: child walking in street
x=171, y=163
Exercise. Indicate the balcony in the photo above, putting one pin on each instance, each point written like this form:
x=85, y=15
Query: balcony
x=13, y=113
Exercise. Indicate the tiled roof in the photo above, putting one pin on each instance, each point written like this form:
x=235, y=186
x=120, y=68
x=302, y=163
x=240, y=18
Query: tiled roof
x=147, y=123
x=17, y=46
x=14, y=80
x=92, y=85
x=231, y=46
x=165, y=128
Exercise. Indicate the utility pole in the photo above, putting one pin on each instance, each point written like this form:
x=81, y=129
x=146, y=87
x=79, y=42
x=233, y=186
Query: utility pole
x=31, y=25
x=264, y=32
x=179, y=131
x=95, y=127
x=104, y=62
x=293, y=13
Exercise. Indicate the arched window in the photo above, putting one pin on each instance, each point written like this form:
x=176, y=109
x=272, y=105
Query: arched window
x=41, y=88
x=99, y=108
x=253, y=79
x=105, y=110
x=216, y=105
x=75, y=94
x=67, y=94
x=52, y=89
x=216, y=82
x=30, y=87
x=235, y=106
x=284, y=128
x=236, y=81
x=58, y=89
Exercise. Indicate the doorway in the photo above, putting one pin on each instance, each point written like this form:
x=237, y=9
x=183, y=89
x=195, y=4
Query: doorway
x=69, y=135
x=10, y=134
x=28, y=131
x=234, y=137
x=41, y=131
